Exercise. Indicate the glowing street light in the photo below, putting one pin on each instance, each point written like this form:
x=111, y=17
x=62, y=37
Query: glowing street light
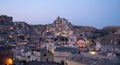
x=10, y=36
x=93, y=52
x=11, y=28
x=9, y=61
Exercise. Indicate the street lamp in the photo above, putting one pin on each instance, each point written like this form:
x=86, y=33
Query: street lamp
x=9, y=61
x=11, y=28
x=93, y=52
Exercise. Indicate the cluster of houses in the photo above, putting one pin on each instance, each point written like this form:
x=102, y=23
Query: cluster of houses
x=13, y=32
x=56, y=42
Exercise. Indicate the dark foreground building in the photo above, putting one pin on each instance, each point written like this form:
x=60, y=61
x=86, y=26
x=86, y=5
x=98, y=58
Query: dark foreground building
x=6, y=55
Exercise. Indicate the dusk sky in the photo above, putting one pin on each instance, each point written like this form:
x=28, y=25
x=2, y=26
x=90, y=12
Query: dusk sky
x=96, y=13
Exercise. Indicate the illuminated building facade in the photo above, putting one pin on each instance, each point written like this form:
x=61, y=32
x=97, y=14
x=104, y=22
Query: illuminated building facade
x=6, y=56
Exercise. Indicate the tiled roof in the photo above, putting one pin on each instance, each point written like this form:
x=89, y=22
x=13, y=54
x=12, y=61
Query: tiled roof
x=39, y=49
x=42, y=63
x=66, y=49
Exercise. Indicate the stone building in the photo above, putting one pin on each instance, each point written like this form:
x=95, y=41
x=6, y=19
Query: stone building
x=6, y=20
x=33, y=54
x=62, y=53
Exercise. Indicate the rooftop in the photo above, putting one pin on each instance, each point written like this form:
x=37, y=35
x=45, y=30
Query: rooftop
x=66, y=49
x=42, y=63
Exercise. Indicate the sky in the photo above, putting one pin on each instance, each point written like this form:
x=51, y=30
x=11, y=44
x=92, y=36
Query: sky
x=96, y=13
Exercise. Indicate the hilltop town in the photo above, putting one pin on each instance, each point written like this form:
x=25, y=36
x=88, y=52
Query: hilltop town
x=58, y=43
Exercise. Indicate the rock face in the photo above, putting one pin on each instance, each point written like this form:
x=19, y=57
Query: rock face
x=82, y=29
x=61, y=27
x=111, y=29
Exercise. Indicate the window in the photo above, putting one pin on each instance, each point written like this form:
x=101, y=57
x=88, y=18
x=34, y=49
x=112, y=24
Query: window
x=2, y=22
x=28, y=56
x=44, y=55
